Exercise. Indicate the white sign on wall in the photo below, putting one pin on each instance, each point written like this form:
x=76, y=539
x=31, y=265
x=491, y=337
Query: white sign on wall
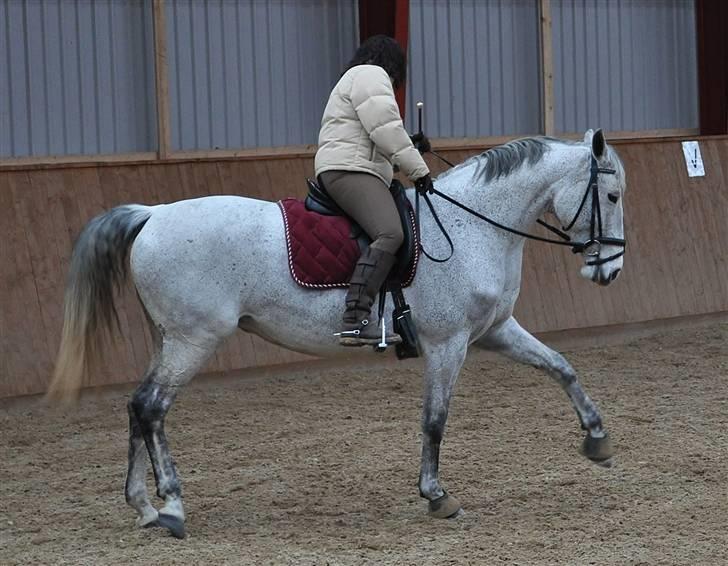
x=693, y=159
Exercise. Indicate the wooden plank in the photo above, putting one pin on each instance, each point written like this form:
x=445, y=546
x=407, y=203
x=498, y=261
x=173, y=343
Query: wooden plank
x=29, y=363
x=64, y=161
x=56, y=162
x=674, y=266
x=8, y=332
x=283, y=152
x=43, y=217
x=307, y=152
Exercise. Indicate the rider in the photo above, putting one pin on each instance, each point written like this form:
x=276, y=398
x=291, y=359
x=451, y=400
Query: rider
x=361, y=139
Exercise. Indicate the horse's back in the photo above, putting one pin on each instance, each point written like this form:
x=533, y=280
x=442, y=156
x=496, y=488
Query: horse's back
x=204, y=253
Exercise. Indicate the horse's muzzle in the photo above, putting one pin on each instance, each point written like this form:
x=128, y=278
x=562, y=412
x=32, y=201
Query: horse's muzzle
x=601, y=274
x=605, y=277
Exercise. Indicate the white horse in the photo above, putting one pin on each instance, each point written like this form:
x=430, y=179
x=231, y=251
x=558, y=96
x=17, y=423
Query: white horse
x=206, y=267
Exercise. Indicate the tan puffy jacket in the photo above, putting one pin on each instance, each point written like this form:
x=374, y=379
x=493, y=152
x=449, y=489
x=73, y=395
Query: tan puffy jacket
x=361, y=129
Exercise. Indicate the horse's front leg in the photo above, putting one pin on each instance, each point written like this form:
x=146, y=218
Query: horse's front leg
x=442, y=366
x=511, y=340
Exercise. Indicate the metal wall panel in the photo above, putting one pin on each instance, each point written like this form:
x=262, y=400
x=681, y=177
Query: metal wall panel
x=254, y=73
x=76, y=77
x=624, y=65
x=476, y=66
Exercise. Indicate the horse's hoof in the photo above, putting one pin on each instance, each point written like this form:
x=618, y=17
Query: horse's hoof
x=149, y=519
x=445, y=507
x=598, y=450
x=150, y=524
x=174, y=525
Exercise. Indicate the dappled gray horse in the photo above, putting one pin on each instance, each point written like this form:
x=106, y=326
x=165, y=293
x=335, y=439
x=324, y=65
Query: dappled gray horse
x=205, y=267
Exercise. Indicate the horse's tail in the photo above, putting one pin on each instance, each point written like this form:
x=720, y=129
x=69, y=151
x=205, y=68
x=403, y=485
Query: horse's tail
x=98, y=266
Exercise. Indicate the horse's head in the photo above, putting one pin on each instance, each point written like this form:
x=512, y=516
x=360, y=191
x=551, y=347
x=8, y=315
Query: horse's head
x=588, y=204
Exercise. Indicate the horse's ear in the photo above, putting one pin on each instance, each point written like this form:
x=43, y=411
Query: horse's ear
x=599, y=144
x=588, y=135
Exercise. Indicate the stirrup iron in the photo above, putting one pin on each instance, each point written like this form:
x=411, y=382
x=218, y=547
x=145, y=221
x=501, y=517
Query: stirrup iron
x=382, y=346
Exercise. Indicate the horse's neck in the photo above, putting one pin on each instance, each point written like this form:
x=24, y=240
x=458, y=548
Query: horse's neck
x=516, y=200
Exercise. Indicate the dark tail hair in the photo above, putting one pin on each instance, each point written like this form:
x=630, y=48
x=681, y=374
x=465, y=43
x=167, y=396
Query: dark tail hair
x=98, y=266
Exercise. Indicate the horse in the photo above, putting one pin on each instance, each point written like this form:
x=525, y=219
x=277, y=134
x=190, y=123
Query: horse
x=205, y=267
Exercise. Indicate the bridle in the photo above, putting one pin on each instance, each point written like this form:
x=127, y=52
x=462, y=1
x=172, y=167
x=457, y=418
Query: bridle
x=591, y=247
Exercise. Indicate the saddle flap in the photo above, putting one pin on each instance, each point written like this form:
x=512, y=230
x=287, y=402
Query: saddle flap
x=408, y=253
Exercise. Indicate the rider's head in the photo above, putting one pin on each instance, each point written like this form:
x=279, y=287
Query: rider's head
x=384, y=52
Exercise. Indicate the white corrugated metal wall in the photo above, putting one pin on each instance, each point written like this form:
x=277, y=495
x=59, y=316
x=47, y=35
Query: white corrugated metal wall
x=254, y=73
x=76, y=77
x=624, y=65
x=476, y=66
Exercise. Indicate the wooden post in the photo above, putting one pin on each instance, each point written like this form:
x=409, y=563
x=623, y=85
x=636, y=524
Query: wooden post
x=711, y=18
x=386, y=17
x=547, y=67
x=401, y=34
x=161, y=80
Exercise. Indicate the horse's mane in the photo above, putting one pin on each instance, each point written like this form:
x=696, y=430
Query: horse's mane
x=502, y=160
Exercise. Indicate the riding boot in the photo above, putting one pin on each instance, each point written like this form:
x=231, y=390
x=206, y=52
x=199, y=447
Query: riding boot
x=369, y=274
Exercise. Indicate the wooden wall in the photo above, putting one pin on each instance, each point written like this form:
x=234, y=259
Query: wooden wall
x=675, y=263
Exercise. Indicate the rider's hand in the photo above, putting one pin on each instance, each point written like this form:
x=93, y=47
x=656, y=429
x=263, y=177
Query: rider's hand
x=424, y=185
x=421, y=143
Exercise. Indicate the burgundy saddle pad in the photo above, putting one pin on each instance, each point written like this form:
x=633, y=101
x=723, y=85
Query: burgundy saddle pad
x=321, y=252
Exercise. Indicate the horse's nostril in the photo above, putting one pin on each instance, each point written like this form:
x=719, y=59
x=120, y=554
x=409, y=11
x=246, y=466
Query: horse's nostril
x=614, y=274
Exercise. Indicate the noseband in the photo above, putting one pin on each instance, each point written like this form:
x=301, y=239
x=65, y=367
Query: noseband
x=591, y=247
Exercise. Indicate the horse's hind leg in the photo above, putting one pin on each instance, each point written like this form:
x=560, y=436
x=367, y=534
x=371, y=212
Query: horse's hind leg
x=136, y=477
x=179, y=361
x=135, y=488
x=511, y=340
x=442, y=367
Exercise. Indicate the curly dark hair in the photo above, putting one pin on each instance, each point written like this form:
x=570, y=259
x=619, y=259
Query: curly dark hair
x=385, y=52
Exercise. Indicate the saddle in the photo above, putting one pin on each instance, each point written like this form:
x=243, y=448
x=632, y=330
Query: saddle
x=324, y=245
x=403, y=272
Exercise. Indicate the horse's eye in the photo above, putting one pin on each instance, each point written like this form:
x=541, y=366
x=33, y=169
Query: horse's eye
x=613, y=197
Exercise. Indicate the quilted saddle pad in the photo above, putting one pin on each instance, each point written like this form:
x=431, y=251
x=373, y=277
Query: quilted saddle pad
x=321, y=252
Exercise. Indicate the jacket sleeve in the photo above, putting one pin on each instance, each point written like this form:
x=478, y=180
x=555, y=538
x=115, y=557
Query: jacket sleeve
x=373, y=99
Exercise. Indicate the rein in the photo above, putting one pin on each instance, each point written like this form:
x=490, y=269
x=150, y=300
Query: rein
x=591, y=247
